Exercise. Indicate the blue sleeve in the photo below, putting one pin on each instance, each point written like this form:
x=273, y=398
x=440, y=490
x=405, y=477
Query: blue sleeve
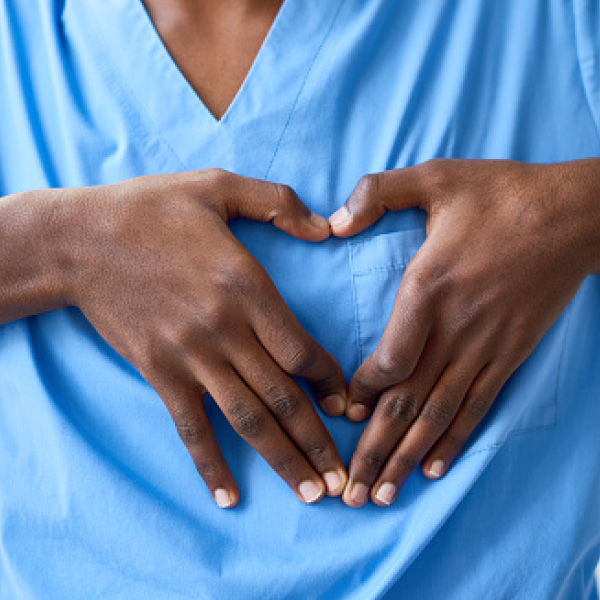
x=587, y=31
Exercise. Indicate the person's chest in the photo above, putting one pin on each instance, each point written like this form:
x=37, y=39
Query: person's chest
x=213, y=44
x=340, y=88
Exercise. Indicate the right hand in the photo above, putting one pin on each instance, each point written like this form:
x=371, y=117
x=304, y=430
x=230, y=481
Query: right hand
x=167, y=285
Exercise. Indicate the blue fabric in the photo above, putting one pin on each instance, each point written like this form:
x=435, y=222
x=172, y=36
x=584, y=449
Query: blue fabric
x=98, y=497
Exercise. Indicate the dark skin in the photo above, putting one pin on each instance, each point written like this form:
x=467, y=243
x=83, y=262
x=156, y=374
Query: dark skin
x=508, y=245
x=153, y=266
x=213, y=42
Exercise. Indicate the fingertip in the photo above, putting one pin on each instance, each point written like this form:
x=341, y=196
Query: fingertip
x=355, y=494
x=357, y=412
x=320, y=223
x=340, y=220
x=385, y=494
x=334, y=405
x=335, y=482
x=310, y=491
x=435, y=469
x=303, y=224
x=225, y=498
x=315, y=228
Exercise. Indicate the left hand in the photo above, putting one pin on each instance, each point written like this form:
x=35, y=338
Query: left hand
x=508, y=245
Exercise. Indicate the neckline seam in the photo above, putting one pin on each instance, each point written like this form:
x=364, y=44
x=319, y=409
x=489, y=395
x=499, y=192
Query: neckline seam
x=128, y=100
x=301, y=89
x=250, y=74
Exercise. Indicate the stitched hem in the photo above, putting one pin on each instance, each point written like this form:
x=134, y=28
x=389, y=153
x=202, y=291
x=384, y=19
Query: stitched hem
x=582, y=77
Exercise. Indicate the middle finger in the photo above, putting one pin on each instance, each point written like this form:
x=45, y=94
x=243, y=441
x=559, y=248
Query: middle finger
x=433, y=420
x=293, y=410
x=393, y=415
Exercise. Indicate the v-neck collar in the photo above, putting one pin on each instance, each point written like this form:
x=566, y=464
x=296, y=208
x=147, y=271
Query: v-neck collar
x=150, y=83
x=171, y=64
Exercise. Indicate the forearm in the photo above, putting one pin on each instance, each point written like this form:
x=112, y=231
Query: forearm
x=33, y=257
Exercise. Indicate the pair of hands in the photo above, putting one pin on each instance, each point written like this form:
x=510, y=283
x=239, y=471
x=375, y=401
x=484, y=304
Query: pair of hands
x=194, y=312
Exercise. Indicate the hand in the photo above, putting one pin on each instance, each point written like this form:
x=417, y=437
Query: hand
x=508, y=245
x=166, y=284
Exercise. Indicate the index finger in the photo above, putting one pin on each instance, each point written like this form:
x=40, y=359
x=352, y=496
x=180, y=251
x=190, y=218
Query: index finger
x=284, y=338
x=398, y=351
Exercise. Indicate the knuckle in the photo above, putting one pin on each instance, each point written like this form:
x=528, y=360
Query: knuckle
x=286, y=195
x=247, y=421
x=405, y=462
x=207, y=468
x=436, y=174
x=415, y=281
x=465, y=317
x=367, y=186
x=300, y=359
x=392, y=365
x=216, y=174
x=213, y=318
x=317, y=453
x=150, y=363
x=372, y=461
x=364, y=389
x=477, y=406
x=426, y=280
x=191, y=431
x=283, y=405
x=400, y=408
x=285, y=466
x=437, y=412
x=159, y=354
x=238, y=277
x=216, y=180
x=454, y=440
x=423, y=283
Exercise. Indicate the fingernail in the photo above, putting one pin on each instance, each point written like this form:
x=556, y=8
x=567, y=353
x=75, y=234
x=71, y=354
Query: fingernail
x=333, y=482
x=358, y=493
x=310, y=491
x=222, y=498
x=386, y=493
x=436, y=468
x=318, y=221
x=357, y=412
x=334, y=405
x=339, y=217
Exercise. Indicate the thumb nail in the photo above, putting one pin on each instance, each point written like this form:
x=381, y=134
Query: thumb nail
x=340, y=217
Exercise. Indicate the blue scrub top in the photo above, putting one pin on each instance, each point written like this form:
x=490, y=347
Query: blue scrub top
x=98, y=496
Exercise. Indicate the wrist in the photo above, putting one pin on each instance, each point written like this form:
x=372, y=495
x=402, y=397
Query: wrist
x=583, y=196
x=595, y=218
x=72, y=215
x=32, y=279
x=59, y=233
x=569, y=194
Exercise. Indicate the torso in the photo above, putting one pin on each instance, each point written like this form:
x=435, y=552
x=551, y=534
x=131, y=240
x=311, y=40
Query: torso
x=213, y=43
x=89, y=454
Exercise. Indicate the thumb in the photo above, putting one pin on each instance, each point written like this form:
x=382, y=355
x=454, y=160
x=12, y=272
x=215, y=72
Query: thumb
x=276, y=203
x=374, y=195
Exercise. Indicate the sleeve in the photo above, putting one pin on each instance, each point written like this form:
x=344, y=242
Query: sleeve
x=587, y=31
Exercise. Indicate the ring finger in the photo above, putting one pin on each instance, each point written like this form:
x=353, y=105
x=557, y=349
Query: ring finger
x=393, y=415
x=294, y=412
x=436, y=415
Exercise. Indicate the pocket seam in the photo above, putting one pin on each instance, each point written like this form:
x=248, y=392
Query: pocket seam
x=394, y=267
x=551, y=418
x=355, y=303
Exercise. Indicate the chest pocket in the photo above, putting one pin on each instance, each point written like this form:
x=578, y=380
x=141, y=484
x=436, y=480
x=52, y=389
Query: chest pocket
x=528, y=400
